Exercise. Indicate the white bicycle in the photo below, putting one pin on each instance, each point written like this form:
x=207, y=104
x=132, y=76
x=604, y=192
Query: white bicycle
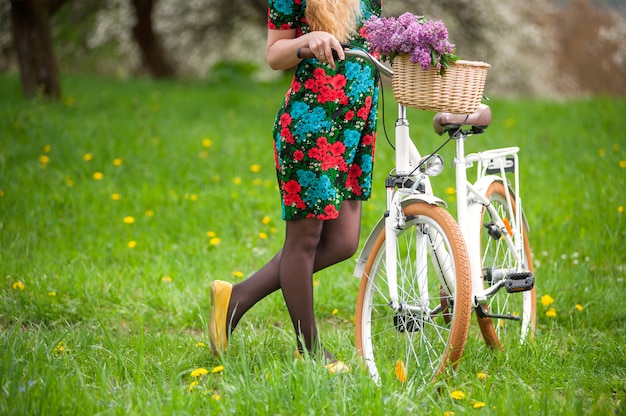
x=423, y=273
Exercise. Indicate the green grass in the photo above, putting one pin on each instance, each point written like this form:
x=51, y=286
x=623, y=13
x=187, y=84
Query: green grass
x=90, y=325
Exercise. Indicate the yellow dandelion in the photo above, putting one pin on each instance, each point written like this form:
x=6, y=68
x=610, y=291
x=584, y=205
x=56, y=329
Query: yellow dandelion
x=98, y=176
x=622, y=163
x=316, y=283
x=44, y=159
x=273, y=230
x=207, y=142
x=620, y=209
x=132, y=244
x=266, y=220
x=18, y=285
x=87, y=157
x=1, y=193
x=547, y=300
x=457, y=395
x=216, y=397
x=116, y=197
x=129, y=220
x=200, y=344
x=237, y=181
x=616, y=147
x=47, y=148
x=262, y=235
x=210, y=234
x=199, y=372
x=257, y=182
x=450, y=190
x=52, y=294
x=59, y=349
x=149, y=213
x=203, y=154
x=482, y=376
x=193, y=384
x=478, y=405
x=238, y=274
x=117, y=162
x=601, y=152
x=579, y=307
x=255, y=168
x=400, y=371
x=166, y=279
x=551, y=313
x=69, y=101
x=215, y=241
x=217, y=369
x=69, y=182
x=510, y=122
x=448, y=413
x=335, y=311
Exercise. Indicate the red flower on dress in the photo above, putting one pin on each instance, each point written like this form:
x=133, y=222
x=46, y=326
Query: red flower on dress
x=353, y=181
x=364, y=112
x=368, y=139
x=298, y=155
x=326, y=87
x=330, y=154
x=349, y=115
x=292, y=196
x=330, y=213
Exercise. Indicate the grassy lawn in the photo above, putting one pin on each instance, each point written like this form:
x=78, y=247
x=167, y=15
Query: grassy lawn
x=120, y=204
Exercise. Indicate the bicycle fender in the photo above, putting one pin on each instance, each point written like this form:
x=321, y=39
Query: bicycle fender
x=380, y=225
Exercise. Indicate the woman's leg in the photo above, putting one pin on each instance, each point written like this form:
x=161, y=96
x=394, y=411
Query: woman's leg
x=338, y=241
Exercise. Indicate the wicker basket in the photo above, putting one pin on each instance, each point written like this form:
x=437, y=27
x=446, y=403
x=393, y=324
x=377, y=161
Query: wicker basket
x=460, y=91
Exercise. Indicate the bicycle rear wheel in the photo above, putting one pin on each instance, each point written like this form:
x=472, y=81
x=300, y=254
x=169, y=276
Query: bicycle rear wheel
x=496, y=254
x=428, y=332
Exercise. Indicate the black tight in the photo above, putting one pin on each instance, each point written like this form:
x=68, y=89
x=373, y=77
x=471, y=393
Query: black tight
x=310, y=245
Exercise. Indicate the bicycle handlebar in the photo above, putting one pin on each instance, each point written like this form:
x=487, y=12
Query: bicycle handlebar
x=305, y=53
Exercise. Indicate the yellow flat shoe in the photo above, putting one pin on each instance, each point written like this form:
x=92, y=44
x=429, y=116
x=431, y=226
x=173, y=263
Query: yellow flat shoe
x=337, y=367
x=220, y=298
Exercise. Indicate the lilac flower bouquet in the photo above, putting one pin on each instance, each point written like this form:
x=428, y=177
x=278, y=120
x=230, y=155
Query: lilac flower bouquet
x=425, y=41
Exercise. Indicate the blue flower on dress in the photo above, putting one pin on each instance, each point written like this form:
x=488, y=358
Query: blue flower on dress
x=352, y=138
x=320, y=190
x=283, y=6
x=311, y=122
x=367, y=163
x=361, y=77
x=306, y=178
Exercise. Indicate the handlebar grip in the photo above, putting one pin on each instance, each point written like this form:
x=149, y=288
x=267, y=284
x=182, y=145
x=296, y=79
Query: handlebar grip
x=306, y=53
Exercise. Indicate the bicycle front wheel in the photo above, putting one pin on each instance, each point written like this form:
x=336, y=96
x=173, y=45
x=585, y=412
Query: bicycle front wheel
x=416, y=341
x=497, y=255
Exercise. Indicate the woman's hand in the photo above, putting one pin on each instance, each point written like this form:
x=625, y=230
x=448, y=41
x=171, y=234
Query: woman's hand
x=322, y=44
x=282, y=46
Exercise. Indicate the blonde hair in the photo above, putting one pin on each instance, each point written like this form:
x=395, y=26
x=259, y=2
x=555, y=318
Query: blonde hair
x=338, y=17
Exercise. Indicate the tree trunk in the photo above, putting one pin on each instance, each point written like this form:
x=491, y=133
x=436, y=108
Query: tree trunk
x=153, y=55
x=33, y=43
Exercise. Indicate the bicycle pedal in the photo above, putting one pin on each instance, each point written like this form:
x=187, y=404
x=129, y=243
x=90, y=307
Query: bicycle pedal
x=519, y=282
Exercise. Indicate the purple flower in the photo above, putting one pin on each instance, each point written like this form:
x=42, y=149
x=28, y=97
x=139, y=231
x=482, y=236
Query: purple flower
x=425, y=41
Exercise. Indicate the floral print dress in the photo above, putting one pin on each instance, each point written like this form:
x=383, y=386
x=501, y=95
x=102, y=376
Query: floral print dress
x=325, y=130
